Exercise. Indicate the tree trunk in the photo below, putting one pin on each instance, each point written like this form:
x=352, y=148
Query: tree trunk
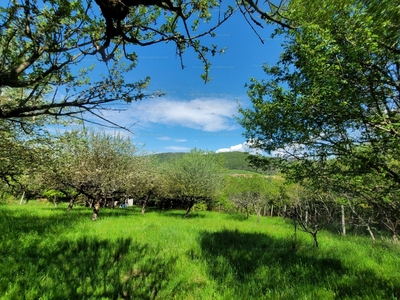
x=306, y=217
x=370, y=232
x=144, y=206
x=22, y=198
x=272, y=210
x=89, y=202
x=395, y=238
x=96, y=209
x=343, y=221
x=145, y=203
x=365, y=223
x=258, y=211
x=191, y=203
x=314, y=235
x=71, y=203
x=294, y=244
x=55, y=201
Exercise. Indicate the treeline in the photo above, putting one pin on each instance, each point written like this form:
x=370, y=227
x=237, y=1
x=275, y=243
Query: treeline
x=103, y=170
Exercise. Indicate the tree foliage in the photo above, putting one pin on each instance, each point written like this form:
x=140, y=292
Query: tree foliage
x=147, y=180
x=331, y=109
x=21, y=153
x=196, y=177
x=45, y=47
x=43, y=43
x=251, y=192
x=331, y=106
x=100, y=166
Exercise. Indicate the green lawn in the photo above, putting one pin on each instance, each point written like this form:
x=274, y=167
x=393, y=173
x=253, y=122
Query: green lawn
x=48, y=253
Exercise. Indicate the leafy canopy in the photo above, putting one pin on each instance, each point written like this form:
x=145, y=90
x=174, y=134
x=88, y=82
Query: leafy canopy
x=330, y=108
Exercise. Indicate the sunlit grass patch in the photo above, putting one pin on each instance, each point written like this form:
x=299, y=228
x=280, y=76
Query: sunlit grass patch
x=49, y=253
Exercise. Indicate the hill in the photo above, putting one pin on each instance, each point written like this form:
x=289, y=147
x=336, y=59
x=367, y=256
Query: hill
x=232, y=160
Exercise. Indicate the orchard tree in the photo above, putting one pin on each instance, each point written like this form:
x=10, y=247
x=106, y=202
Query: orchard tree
x=146, y=180
x=311, y=210
x=272, y=188
x=253, y=192
x=45, y=47
x=25, y=146
x=331, y=107
x=246, y=192
x=22, y=154
x=97, y=165
x=41, y=46
x=196, y=177
x=15, y=154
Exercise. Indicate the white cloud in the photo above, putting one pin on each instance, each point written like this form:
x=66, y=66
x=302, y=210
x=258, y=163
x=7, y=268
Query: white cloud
x=204, y=113
x=235, y=148
x=177, y=148
x=166, y=138
x=244, y=147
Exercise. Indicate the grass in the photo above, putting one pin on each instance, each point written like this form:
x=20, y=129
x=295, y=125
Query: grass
x=242, y=172
x=48, y=253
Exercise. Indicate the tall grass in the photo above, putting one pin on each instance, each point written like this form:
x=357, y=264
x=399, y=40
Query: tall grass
x=48, y=253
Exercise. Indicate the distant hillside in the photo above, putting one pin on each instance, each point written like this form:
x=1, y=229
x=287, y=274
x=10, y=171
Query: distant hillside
x=232, y=160
x=236, y=161
x=168, y=156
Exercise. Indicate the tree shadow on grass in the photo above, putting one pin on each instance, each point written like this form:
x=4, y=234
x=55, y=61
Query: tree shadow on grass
x=256, y=266
x=37, y=264
x=87, y=268
x=18, y=223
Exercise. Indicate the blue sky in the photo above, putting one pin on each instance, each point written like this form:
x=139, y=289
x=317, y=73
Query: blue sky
x=192, y=113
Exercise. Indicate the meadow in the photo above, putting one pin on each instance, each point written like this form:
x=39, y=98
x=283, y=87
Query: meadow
x=48, y=253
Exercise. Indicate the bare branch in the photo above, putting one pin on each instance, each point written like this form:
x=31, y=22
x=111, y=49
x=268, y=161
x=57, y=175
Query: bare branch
x=266, y=16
